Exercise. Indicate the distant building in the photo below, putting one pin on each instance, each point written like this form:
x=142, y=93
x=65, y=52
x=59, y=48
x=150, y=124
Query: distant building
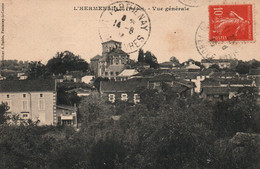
x=31, y=99
x=87, y=79
x=255, y=74
x=2, y=77
x=66, y=115
x=73, y=76
x=122, y=90
x=129, y=90
x=167, y=65
x=22, y=76
x=112, y=62
x=222, y=63
x=222, y=89
x=81, y=92
x=126, y=74
x=162, y=82
x=190, y=66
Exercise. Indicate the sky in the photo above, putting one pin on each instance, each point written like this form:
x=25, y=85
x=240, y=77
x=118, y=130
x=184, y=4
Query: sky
x=37, y=29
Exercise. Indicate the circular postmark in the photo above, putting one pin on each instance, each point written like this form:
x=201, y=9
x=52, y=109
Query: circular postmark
x=208, y=49
x=193, y=3
x=125, y=22
x=190, y=3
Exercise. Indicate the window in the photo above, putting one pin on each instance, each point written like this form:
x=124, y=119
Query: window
x=8, y=96
x=24, y=105
x=74, y=120
x=66, y=122
x=111, y=98
x=216, y=96
x=136, y=98
x=106, y=73
x=59, y=120
x=117, y=73
x=41, y=95
x=156, y=85
x=111, y=73
x=25, y=115
x=124, y=97
x=24, y=95
x=41, y=104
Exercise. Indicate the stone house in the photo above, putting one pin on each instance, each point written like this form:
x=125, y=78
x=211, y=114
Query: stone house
x=122, y=90
x=66, y=115
x=31, y=99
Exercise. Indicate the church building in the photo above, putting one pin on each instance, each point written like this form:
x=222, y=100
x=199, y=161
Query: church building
x=112, y=62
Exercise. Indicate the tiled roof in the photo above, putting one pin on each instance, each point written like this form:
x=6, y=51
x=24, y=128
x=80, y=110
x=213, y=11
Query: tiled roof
x=255, y=72
x=116, y=52
x=237, y=81
x=79, y=90
x=211, y=82
x=208, y=71
x=27, y=85
x=220, y=90
x=66, y=107
x=152, y=72
x=188, y=75
x=128, y=72
x=215, y=60
x=97, y=57
x=216, y=90
x=111, y=41
x=124, y=86
x=70, y=85
x=185, y=83
x=178, y=89
x=115, y=68
x=166, y=64
x=163, y=77
x=224, y=74
x=192, y=66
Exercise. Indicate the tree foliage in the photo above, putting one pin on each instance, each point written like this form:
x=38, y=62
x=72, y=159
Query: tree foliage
x=184, y=133
x=36, y=70
x=3, y=116
x=140, y=56
x=174, y=60
x=151, y=59
x=214, y=66
x=66, y=61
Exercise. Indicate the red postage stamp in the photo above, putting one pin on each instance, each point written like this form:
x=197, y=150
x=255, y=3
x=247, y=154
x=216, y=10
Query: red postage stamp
x=230, y=23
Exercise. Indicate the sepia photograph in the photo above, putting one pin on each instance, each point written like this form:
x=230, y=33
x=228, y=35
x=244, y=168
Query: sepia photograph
x=114, y=84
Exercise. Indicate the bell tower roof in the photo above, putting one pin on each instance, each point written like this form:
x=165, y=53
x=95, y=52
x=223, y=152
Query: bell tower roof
x=110, y=45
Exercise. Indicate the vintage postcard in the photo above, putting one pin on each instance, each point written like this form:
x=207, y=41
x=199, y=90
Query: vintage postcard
x=130, y=84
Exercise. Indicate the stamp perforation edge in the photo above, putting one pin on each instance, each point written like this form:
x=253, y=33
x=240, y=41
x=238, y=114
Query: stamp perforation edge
x=253, y=18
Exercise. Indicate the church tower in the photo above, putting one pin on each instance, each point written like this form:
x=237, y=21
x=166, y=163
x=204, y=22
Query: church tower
x=108, y=46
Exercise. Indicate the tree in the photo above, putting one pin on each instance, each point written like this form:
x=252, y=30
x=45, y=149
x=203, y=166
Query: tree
x=105, y=154
x=141, y=56
x=242, y=67
x=214, y=66
x=151, y=59
x=174, y=60
x=157, y=98
x=36, y=70
x=66, y=61
x=98, y=81
x=239, y=114
x=3, y=117
x=255, y=64
x=66, y=98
